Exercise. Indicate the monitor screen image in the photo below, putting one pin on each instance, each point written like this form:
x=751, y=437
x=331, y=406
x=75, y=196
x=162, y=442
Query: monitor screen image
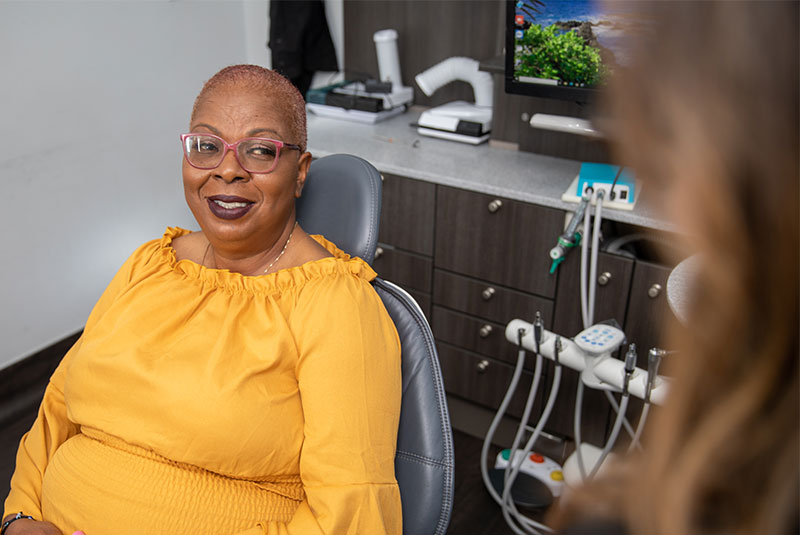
x=565, y=48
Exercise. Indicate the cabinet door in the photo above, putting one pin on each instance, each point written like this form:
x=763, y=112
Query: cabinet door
x=494, y=239
x=648, y=310
x=411, y=271
x=611, y=297
x=484, y=381
x=407, y=214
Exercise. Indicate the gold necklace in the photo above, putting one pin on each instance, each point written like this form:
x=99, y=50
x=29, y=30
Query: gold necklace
x=285, y=245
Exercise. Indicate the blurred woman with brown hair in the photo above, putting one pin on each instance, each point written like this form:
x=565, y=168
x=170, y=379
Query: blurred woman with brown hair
x=708, y=117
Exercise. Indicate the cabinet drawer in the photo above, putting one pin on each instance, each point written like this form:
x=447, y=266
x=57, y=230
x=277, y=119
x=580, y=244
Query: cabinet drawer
x=495, y=239
x=474, y=334
x=407, y=214
x=486, y=300
x=408, y=270
x=484, y=381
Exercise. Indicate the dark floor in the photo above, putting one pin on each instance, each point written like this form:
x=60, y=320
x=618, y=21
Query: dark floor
x=474, y=511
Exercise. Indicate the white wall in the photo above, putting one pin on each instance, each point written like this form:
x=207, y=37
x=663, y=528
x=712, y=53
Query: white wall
x=93, y=96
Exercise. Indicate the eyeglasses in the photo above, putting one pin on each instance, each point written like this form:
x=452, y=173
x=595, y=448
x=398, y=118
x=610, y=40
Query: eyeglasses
x=254, y=154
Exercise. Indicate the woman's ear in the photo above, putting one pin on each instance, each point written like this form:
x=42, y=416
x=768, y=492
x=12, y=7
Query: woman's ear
x=302, y=172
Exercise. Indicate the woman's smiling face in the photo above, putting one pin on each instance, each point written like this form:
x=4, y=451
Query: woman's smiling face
x=239, y=210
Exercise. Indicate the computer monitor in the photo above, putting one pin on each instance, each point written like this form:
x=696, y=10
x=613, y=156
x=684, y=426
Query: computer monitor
x=565, y=49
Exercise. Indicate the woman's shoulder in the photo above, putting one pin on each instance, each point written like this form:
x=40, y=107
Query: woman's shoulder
x=189, y=246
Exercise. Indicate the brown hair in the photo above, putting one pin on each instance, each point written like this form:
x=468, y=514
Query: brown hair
x=709, y=117
x=269, y=82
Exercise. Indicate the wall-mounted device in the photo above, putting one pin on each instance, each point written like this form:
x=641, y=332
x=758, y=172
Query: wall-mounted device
x=457, y=120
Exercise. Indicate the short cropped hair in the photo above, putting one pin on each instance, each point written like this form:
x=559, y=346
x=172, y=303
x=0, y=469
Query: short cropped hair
x=271, y=83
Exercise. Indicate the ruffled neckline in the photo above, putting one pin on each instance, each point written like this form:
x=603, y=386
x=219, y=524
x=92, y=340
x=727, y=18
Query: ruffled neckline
x=340, y=263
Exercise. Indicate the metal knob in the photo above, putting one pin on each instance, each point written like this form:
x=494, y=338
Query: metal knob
x=487, y=293
x=482, y=365
x=485, y=331
x=495, y=205
x=378, y=253
x=654, y=291
x=604, y=278
x=525, y=116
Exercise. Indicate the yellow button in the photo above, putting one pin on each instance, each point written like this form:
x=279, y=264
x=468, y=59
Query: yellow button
x=556, y=475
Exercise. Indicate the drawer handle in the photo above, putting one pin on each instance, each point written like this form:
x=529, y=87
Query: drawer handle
x=378, y=253
x=654, y=291
x=485, y=331
x=495, y=205
x=487, y=294
x=604, y=278
x=482, y=365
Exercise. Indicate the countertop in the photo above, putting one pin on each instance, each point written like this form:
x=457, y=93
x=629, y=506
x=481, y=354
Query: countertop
x=393, y=146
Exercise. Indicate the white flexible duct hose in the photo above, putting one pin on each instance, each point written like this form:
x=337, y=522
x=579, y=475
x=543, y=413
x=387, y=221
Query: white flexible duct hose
x=458, y=68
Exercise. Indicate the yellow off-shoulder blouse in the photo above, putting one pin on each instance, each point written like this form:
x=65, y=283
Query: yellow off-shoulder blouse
x=200, y=401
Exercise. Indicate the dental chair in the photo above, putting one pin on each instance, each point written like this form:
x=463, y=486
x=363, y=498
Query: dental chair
x=342, y=201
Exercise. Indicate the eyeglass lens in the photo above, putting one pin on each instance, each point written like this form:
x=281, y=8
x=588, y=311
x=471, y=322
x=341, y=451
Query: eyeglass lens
x=207, y=152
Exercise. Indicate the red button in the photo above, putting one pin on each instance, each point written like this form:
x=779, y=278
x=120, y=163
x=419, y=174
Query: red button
x=535, y=457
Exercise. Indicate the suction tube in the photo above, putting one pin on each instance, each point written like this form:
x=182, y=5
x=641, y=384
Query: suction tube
x=458, y=68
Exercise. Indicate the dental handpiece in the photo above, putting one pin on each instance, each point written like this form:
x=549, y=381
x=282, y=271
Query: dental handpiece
x=538, y=331
x=653, y=362
x=566, y=239
x=630, y=366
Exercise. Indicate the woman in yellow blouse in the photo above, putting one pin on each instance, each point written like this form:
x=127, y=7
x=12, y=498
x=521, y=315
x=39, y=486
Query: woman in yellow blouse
x=240, y=379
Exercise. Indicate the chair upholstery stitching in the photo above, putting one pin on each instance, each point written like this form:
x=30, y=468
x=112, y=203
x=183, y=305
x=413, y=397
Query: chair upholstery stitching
x=444, y=516
x=422, y=459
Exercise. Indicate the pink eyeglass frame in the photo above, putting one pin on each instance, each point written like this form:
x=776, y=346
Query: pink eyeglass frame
x=234, y=146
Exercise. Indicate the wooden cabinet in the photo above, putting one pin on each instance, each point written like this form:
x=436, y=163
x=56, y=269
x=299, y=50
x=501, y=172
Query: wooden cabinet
x=475, y=262
x=405, y=248
x=647, y=308
x=482, y=380
x=407, y=214
x=496, y=239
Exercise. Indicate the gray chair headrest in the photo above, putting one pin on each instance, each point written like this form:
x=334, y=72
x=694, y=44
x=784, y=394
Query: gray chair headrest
x=342, y=201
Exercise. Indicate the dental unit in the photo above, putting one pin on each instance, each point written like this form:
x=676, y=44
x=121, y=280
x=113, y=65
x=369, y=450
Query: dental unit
x=591, y=354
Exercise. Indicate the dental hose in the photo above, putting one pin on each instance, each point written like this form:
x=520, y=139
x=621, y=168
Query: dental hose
x=630, y=366
x=508, y=506
x=639, y=428
x=576, y=428
x=654, y=357
x=585, y=239
x=490, y=435
x=537, y=374
x=625, y=423
x=598, y=217
x=623, y=406
x=587, y=308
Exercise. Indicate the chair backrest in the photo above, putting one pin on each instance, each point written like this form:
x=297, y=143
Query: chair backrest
x=341, y=198
x=342, y=201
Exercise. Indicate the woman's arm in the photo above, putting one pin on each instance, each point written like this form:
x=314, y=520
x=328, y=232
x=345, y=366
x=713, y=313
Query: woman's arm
x=349, y=376
x=51, y=429
x=52, y=426
x=24, y=526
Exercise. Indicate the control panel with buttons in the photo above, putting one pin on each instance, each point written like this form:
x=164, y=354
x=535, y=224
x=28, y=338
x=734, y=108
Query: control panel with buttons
x=538, y=466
